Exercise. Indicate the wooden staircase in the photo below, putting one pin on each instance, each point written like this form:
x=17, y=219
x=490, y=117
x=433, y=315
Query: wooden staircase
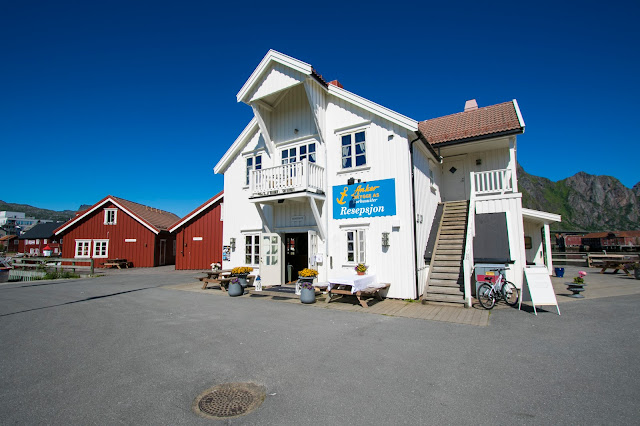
x=445, y=282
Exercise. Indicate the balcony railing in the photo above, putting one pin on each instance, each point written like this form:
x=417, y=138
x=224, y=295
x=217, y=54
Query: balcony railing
x=492, y=182
x=292, y=177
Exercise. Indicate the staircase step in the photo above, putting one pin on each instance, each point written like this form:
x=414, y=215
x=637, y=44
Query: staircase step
x=447, y=263
x=449, y=250
x=444, y=276
x=456, y=203
x=454, y=218
x=451, y=239
x=432, y=289
x=461, y=228
x=446, y=269
x=444, y=283
x=459, y=232
x=439, y=257
x=443, y=298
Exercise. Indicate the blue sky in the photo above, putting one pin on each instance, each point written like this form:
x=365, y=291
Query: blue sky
x=137, y=99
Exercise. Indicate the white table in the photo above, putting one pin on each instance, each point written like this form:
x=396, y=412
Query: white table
x=357, y=285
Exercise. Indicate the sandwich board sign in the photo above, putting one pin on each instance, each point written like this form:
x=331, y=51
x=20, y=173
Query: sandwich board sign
x=539, y=288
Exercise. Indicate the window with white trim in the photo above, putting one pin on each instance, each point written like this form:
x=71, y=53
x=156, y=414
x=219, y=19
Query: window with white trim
x=100, y=249
x=110, y=216
x=83, y=248
x=253, y=163
x=354, y=150
x=299, y=153
x=252, y=249
x=356, y=246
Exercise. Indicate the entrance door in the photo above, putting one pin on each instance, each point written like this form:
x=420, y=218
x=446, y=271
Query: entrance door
x=270, y=264
x=296, y=255
x=163, y=252
x=453, y=179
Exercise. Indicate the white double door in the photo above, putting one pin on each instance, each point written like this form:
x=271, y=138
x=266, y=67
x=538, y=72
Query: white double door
x=272, y=256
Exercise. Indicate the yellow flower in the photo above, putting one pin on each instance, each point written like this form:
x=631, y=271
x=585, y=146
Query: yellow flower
x=306, y=272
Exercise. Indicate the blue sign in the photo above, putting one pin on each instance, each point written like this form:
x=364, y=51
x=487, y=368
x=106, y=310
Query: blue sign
x=366, y=199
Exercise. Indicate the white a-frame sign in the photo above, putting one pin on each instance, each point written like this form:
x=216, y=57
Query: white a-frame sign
x=539, y=288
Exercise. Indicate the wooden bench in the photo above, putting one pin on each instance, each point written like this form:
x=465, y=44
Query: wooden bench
x=615, y=265
x=119, y=263
x=224, y=282
x=345, y=290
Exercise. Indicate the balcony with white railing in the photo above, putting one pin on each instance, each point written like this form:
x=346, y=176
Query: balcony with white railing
x=303, y=176
x=492, y=182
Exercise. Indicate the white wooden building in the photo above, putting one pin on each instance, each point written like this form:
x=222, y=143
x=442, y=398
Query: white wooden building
x=323, y=178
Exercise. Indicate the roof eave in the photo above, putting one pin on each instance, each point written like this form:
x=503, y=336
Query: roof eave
x=512, y=132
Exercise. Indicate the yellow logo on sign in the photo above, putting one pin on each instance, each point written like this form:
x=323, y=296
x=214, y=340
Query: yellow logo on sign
x=344, y=194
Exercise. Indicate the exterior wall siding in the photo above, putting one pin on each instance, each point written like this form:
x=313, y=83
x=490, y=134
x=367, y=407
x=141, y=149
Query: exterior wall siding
x=193, y=254
x=142, y=252
x=278, y=78
x=292, y=113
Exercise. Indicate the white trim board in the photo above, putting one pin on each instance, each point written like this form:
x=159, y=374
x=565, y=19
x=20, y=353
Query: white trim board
x=196, y=213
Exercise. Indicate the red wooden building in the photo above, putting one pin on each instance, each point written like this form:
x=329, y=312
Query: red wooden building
x=9, y=243
x=115, y=228
x=37, y=238
x=199, y=236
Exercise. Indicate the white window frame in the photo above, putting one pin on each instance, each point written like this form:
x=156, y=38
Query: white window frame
x=252, y=166
x=82, y=254
x=352, y=137
x=107, y=213
x=98, y=252
x=297, y=155
x=254, y=255
x=359, y=245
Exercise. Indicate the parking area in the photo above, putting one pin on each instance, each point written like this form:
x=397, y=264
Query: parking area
x=130, y=348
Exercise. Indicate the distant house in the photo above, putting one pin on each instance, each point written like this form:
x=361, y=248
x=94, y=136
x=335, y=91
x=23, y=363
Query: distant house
x=38, y=237
x=115, y=228
x=199, y=236
x=9, y=243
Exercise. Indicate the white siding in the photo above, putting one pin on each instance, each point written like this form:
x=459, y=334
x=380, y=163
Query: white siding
x=427, y=199
x=293, y=112
x=318, y=102
x=513, y=207
x=278, y=78
x=387, y=157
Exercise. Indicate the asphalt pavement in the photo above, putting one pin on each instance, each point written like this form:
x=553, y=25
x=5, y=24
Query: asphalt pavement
x=125, y=349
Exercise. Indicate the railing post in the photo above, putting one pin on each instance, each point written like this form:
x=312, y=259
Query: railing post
x=472, y=184
x=91, y=266
x=306, y=172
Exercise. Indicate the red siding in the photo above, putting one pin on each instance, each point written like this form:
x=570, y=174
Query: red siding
x=142, y=253
x=200, y=254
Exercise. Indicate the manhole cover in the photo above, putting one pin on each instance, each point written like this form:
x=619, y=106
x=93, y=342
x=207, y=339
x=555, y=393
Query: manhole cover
x=229, y=400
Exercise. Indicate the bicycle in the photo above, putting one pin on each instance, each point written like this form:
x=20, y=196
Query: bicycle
x=489, y=293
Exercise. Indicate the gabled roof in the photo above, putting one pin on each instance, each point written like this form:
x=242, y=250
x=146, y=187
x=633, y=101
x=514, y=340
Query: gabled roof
x=153, y=219
x=485, y=122
x=41, y=230
x=8, y=237
x=188, y=218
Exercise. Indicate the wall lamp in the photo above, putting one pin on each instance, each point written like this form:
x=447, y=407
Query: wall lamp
x=385, y=239
x=232, y=241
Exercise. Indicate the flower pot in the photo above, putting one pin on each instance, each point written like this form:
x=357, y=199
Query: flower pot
x=559, y=272
x=307, y=295
x=576, y=289
x=360, y=273
x=242, y=278
x=235, y=289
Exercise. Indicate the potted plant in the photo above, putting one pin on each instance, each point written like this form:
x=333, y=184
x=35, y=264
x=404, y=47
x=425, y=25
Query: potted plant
x=361, y=268
x=307, y=275
x=241, y=273
x=307, y=292
x=215, y=266
x=577, y=286
x=235, y=288
x=636, y=269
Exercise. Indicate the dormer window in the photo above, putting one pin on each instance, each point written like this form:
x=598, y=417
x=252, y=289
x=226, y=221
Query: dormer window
x=110, y=216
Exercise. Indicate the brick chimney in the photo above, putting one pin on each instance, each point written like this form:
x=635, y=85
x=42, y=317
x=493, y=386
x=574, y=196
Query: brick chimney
x=336, y=83
x=470, y=105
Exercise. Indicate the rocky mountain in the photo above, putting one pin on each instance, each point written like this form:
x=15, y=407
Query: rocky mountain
x=586, y=202
x=38, y=213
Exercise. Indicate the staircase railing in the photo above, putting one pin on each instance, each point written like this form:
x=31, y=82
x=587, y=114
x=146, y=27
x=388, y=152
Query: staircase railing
x=467, y=262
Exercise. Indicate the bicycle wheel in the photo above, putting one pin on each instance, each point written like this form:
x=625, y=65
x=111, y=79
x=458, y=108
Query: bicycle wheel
x=486, y=296
x=510, y=293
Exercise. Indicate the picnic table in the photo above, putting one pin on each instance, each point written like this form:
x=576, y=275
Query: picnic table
x=356, y=285
x=119, y=263
x=616, y=265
